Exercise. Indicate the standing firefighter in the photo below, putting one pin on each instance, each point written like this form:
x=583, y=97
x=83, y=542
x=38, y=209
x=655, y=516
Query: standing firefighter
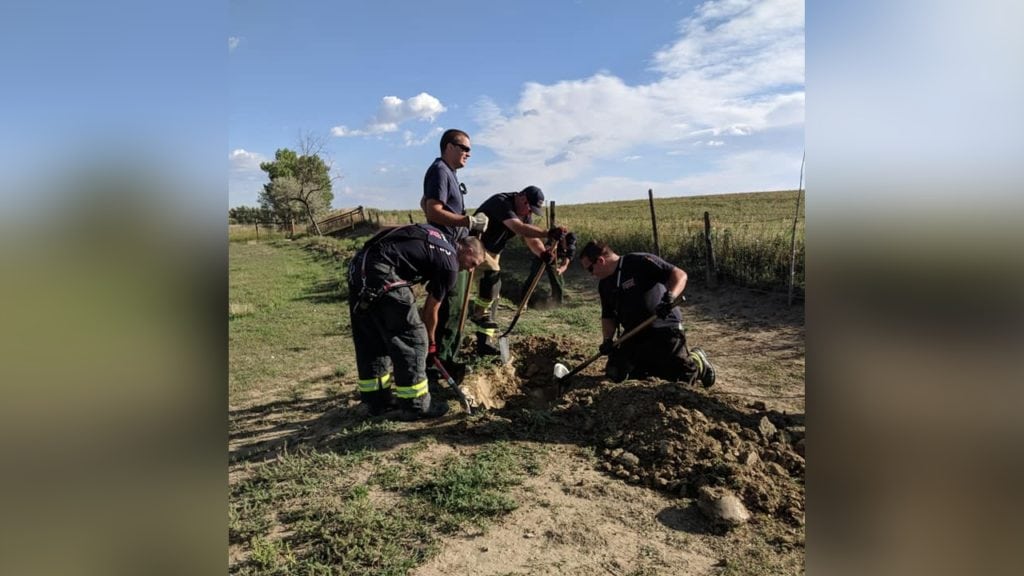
x=392, y=341
x=442, y=204
x=633, y=287
x=509, y=214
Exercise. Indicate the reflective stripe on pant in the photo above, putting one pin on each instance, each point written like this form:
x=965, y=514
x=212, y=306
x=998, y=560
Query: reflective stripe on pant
x=375, y=383
x=390, y=337
x=410, y=392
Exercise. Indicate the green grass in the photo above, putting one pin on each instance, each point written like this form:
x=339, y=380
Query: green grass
x=287, y=318
x=310, y=513
x=751, y=232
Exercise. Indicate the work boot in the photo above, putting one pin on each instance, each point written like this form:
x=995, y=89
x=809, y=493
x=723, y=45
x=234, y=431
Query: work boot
x=483, y=348
x=707, y=370
x=421, y=409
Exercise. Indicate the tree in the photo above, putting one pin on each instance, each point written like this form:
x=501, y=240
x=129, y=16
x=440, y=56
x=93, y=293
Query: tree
x=300, y=182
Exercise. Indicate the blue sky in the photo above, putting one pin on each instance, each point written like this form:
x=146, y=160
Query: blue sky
x=591, y=101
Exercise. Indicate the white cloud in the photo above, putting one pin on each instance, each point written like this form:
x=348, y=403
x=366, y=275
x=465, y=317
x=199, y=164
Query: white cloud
x=736, y=70
x=432, y=135
x=233, y=42
x=392, y=112
x=244, y=161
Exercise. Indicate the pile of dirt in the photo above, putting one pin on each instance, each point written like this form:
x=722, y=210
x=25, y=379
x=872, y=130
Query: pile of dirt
x=671, y=437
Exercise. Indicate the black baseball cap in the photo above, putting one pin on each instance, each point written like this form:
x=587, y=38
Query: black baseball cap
x=535, y=198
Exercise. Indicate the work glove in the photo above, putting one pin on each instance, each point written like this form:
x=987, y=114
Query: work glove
x=549, y=257
x=569, y=250
x=606, y=347
x=478, y=222
x=664, y=308
x=556, y=233
x=431, y=354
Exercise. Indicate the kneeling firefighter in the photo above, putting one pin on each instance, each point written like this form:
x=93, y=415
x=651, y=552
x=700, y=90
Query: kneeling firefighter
x=392, y=341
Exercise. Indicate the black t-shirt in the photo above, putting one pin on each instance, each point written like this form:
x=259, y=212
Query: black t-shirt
x=441, y=184
x=499, y=208
x=630, y=295
x=417, y=253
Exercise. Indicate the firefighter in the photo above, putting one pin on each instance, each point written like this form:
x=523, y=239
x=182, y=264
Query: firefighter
x=393, y=342
x=510, y=214
x=633, y=287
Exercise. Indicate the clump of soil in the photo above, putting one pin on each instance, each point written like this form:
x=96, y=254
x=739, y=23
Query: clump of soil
x=669, y=436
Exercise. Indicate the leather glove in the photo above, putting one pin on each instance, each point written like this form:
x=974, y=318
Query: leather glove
x=431, y=354
x=549, y=257
x=569, y=251
x=664, y=308
x=478, y=222
x=556, y=233
x=606, y=347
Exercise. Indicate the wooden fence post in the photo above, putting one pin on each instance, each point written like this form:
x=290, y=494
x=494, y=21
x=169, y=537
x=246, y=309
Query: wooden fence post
x=710, y=255
x=792, y=244
x=654, y=222
x=257, y=230
x=410, y=217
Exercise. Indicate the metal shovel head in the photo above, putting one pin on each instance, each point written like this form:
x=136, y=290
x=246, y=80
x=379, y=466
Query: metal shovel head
x=506, y=356
x=560, y=370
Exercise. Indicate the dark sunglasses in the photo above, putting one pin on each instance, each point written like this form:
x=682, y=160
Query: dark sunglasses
x=465, y=149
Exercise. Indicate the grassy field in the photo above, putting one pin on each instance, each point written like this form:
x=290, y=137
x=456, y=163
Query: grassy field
x=751, y=232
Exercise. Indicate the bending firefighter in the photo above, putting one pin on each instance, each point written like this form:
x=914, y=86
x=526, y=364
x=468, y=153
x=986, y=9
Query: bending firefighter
x=633, y=287
x=392, y=341
x=510, y=214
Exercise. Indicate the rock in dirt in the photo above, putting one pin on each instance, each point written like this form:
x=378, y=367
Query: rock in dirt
x=628, y=459
x=722, y=507
x=766, y=428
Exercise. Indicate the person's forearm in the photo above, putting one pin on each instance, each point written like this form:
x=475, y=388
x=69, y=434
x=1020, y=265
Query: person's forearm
x=430, y=308
x=436, y=214
x=607, y=328
x=677, y=283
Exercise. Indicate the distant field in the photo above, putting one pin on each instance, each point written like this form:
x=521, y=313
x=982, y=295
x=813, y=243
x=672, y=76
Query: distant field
x=751, y=232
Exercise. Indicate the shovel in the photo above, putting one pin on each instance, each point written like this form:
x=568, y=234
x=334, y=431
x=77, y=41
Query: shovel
x=503, y=339
x=563, y=373
x=462, y=313
x=451, y=384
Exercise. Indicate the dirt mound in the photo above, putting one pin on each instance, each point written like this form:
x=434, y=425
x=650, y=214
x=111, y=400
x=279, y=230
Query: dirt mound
x=665, y=435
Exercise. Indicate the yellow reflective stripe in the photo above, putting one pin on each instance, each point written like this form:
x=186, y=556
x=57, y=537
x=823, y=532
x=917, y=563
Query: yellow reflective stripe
x=488, y=331
x=482, y=303
x=374, y=384
x=698, y=361
x=414, y=391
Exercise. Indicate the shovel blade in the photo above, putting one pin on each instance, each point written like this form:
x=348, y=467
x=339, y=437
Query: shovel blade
x=560, y=370
x=506, y=356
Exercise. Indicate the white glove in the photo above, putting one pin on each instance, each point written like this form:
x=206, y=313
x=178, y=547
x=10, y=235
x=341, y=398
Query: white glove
x=478, y=222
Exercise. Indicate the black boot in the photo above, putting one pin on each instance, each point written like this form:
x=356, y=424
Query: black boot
x=483, y=348
x=421, y=408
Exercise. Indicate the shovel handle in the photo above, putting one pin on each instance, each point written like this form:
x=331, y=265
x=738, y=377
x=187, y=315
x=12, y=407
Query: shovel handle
x=462, y=313
x=526, y=298
x=451, y=383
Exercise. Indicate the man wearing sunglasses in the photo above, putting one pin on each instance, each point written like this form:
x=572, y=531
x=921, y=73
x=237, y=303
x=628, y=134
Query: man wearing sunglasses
x=443, y=207
x=633, y=287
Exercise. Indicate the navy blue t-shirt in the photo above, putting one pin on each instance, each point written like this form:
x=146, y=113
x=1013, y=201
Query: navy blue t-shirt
x=630, y=295
x=441, y=184
x=418, y=253
x=499, y=208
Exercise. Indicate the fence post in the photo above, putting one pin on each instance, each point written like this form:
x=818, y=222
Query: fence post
x=257, y=230
x=654, y=222
x=710, y=256
x=410, y=217
x=792, y=244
